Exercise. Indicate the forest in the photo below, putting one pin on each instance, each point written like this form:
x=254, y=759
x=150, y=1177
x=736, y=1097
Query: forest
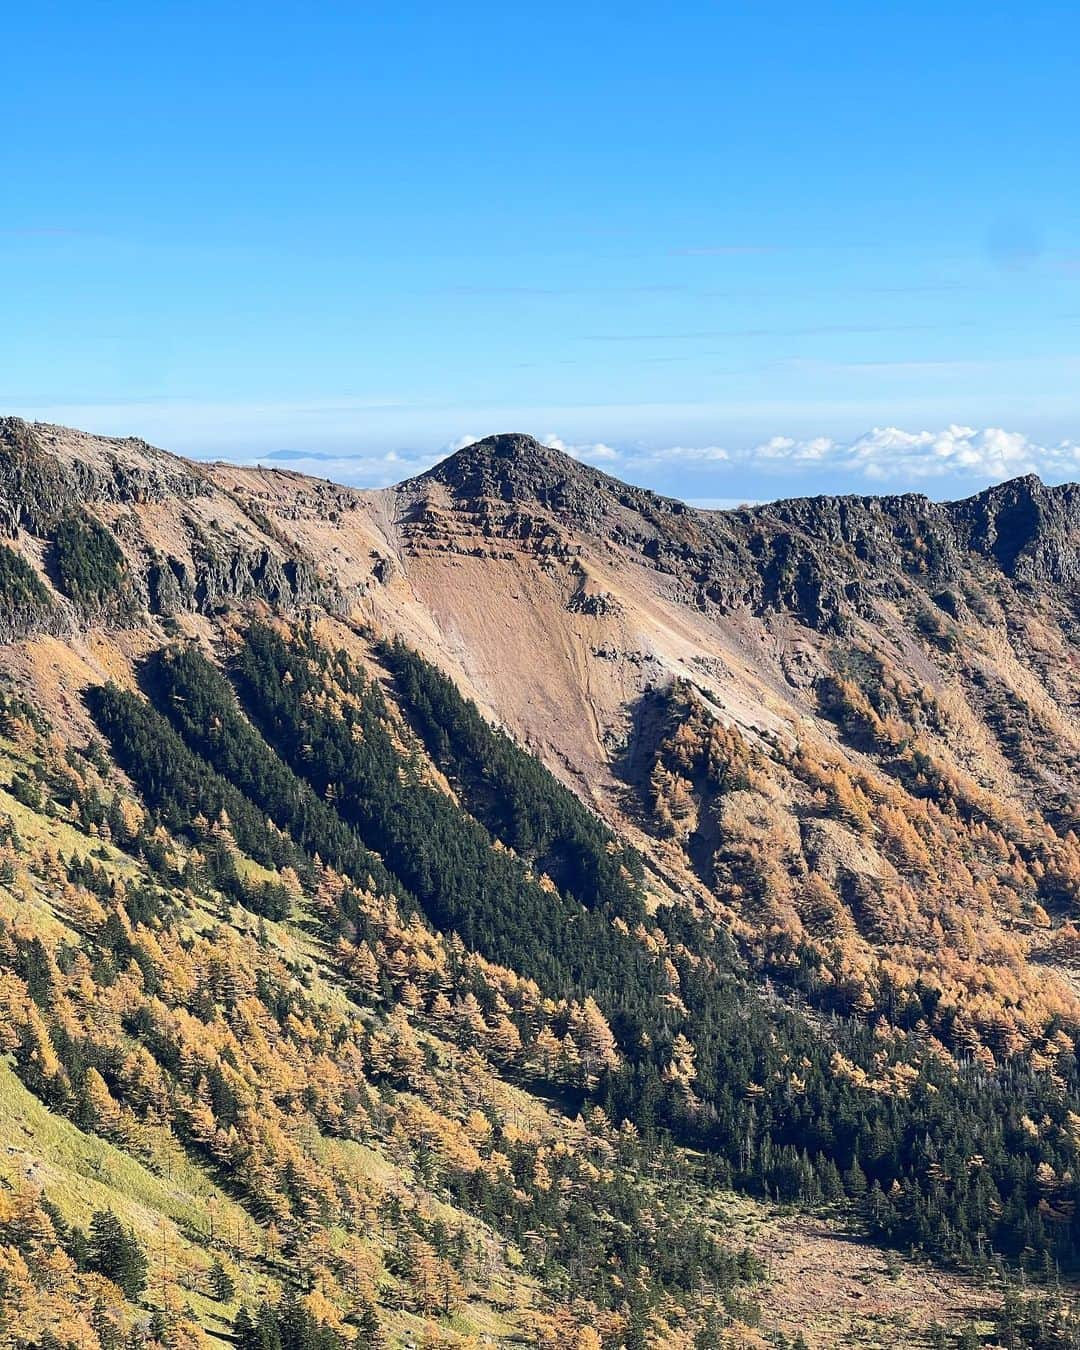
x=305, y=824
x=87, y=562
x=691, y=1049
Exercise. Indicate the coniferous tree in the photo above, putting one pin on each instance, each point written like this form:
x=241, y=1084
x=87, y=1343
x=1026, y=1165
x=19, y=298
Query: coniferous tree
x=222, y=1283
x=115, y=1252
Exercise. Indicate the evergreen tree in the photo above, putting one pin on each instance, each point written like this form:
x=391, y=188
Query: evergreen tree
x=114, y=1252
x=222, y=1283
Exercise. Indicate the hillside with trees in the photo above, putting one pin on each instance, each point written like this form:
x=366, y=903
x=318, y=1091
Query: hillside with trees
x=493, y=926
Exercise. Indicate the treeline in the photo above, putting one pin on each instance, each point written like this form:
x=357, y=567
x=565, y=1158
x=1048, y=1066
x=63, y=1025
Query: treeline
x=830, y=1132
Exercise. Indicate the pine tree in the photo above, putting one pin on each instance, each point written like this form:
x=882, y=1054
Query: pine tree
x=244, y=1332
x=115, y=1253
x=222, y=1283
x=370, y=1335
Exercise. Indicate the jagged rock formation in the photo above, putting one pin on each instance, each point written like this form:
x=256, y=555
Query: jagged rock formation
x=47, y=472
x=187, y=547
x=820, y=558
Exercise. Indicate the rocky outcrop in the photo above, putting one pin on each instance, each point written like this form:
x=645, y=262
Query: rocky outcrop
x=218, y=579
x=517, y=469
x=825, y=560
x=1030, y=530
x=49, y=474
x=596, y=604
x=43, y=477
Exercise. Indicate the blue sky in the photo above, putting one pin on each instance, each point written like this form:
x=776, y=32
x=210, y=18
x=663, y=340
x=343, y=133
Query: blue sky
x=729, y=251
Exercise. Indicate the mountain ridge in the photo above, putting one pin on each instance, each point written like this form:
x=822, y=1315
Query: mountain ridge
x=68, y=444
x=513, y=466
x=694, y=786
x=1031, y=531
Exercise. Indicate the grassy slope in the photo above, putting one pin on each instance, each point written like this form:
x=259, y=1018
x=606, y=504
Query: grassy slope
x=169, y=1204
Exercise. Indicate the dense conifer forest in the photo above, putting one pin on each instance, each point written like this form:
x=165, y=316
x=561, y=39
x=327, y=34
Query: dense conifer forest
x=87, y=561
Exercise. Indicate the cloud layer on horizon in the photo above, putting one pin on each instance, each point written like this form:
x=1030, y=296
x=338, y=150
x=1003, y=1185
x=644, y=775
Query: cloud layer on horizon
x=881, y=455
x=881, y=458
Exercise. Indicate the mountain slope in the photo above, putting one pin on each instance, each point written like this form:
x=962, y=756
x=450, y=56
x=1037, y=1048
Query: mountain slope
x=827, y=918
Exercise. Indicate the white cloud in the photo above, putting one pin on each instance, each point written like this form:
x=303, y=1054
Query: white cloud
x=357, y=441
x=597, y=450
x=889, y=454
x=783, y=447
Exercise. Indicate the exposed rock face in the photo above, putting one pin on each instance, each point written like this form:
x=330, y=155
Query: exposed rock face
x=821, y=559
x=1031, y=531
x=595, y=603
x=43, y=475
x=49, y=473
x=217, y=579
x=30, y=618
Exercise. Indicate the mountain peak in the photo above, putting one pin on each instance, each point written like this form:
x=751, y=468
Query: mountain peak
x=514, y=467
x=509, y=444
x=511, y=454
